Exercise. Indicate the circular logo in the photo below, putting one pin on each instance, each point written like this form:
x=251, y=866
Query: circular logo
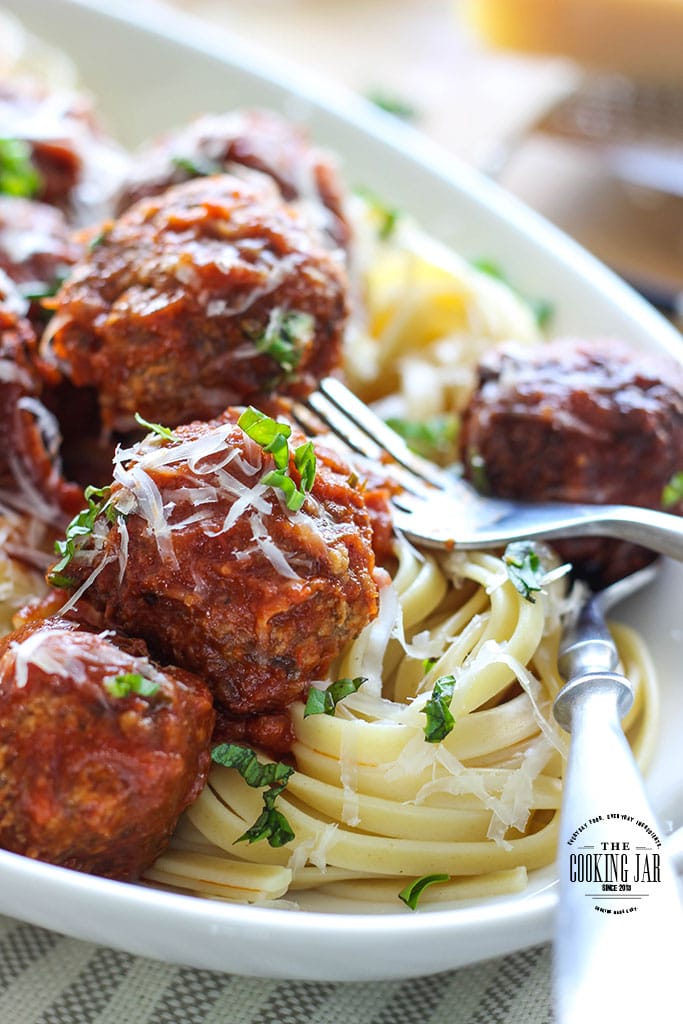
x=616, y=860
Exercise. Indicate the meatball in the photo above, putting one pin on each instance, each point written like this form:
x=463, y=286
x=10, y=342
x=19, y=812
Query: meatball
x=70, y=162
x=31, y=480
x=592, y=422
x=257, y=139
x=100, y=748
x=199, y=554
x=209, y=295
x=36, y=249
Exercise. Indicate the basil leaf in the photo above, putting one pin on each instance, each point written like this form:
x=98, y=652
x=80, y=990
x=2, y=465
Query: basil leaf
x=155, y=428
x=392, y=104
x=130, y=682
x=430, y=438
x=285, y=336
x=524, y=568
x=18, y=176
x=542, y=309
x=270, y=434
x=324, y=702
x=196, y=167
x=80, y=527
x=271, y=823
x=673, y=491
x=411, y=894
x=254, y=772
x=386, y=216
x=294, y=498
x=273, y=437
x=440, y=721
x=305, y=462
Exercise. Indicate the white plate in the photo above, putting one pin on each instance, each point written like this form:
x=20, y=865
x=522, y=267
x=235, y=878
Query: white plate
x=151, y=73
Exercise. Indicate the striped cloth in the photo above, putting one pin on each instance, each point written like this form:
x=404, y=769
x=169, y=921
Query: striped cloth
x=46, y=978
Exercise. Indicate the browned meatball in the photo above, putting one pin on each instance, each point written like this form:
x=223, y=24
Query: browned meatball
x=77, y=167
x=211, y=567
x=211, y=294
x=31, y=480
x=36, y=249
x=257, y=139
x=581, y=421
x=100, y=749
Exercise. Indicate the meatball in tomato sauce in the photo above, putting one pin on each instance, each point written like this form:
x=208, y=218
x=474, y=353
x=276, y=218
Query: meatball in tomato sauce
x=591, y=422
x=253, y=576
x=31, y=479
x=100, y=748
x=211, y=294
x=259, y=140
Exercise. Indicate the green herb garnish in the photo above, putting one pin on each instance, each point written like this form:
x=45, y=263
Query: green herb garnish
x=80, y=527
x=324, y=702
x=542, y=309
x=34, y=291
x=524, y=568
x=386, y=216
x=271, y=823
x=196, y=167
x=432, y=438
x=156, y=428
x=440, y=721
x=477, y=472
x=392, y=104
x=285, y=336
x=130, y=682
x=428, y=664
x=411, y=894
x=673, y=491
x=273, y=437
x=18, y=176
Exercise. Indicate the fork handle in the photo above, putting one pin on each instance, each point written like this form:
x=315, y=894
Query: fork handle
x=617, y=952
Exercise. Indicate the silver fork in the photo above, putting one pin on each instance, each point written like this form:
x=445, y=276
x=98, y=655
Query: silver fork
x=440, y=510
x=615, y=927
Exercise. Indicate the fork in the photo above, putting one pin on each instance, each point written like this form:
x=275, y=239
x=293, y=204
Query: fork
x=626, y=930
x=437, y=509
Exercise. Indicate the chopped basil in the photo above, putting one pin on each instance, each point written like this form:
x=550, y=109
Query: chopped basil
x=18, y=176
x=324, y=702
x=673, y=491
x=428, y=664
x=131, y=682
x=432, y=438
x=271, y=823
x=273, y=437
x=286, y=334
x=440, y=721
x=156, y=428
x=411, y=894
x=387, y=217
x=99, y=238
x=392, y=104
x=80, y=527
x=34, y=291
x=524, y=568
x=542, y=309
x=196, y=167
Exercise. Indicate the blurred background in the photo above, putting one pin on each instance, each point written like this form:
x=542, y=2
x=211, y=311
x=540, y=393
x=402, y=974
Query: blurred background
x=574, y=105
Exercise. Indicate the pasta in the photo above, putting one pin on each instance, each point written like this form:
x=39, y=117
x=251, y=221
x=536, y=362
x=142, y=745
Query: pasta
x=372, y=804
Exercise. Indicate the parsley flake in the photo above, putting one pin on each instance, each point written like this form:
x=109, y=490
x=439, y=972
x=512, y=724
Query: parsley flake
x=130, y=682
x=387, y=217
x=524, y=568
x=196, y=167
x=440, y=721
x=542, y=309
x=324, y=702
x=411, y=894
x=673, y=491
x=271, y=824
x=156, y=428
x=393, y=104
x=80, y=527
x=18, y=176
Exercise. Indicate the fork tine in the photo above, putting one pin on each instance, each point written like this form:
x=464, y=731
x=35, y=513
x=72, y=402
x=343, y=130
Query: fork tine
x=370, y=427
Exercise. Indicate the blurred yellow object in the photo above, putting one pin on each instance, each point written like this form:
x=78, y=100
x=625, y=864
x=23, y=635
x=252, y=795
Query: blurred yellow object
x=640, y=38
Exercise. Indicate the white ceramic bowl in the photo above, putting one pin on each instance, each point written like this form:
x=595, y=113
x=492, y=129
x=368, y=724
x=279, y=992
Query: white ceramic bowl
x=150, y=72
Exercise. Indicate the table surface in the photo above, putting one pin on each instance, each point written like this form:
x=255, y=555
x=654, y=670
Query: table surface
x=472, y=101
